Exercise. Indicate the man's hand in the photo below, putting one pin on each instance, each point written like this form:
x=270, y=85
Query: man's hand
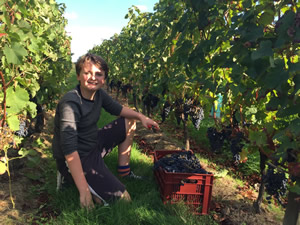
x=86, y=200
x=146, y=121
x=76, y=170
x=149, y=123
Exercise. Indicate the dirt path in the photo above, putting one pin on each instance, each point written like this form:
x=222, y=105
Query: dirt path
x=231, y=201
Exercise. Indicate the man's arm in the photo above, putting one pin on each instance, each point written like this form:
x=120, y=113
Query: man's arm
x=76, y=170
x=131, y=114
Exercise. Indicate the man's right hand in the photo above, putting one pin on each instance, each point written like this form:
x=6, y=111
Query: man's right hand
x=76, y=170
x=86, y=200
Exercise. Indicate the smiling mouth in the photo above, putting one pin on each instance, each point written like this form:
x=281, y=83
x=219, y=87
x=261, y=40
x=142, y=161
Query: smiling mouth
x=92, y=83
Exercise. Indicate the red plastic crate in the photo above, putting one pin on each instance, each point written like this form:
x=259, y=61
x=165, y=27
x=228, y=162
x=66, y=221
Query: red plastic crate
x=193, y=188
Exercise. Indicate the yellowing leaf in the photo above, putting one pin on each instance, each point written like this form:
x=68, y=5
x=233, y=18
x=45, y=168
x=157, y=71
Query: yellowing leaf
x=2, y=168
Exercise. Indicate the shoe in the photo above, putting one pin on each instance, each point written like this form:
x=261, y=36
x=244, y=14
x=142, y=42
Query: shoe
x=62, y=182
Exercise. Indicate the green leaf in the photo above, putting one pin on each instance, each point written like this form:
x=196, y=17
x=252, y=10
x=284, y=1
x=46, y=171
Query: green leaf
x=254, y=32
x=25, y=26
x=13, y=122
x=16, y=100
x=31, y=107
x=15, y=53
x=247, y=4
x=34, y=47
x=288, y=111
x=294, y=67
x=24, y=152
x=33, y=176
x=295, y=189
x=276, y=78
x=251, y=110
x=265, y=49
x=273, y=104
x=266, y=18
x=258, y=137
x=294, y=127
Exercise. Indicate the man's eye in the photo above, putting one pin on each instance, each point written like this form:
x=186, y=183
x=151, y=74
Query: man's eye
x=99, y=74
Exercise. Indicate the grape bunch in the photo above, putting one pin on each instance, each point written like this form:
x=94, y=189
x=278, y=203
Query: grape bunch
x=23, y=130
x=146, y=100
x=197, y=116
x=181, y=162
x=216, y=139
x=187, y=108
x=154, y=101
x=166, y=110
x=236, y=146
x=112, y=85
x=125, y=89
x=276, y=184
x=178, y=110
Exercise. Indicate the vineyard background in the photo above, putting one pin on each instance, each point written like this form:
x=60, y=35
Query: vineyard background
x=186, y=53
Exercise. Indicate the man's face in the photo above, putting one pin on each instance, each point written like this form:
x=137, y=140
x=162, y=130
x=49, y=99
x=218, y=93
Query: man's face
x=91, y=78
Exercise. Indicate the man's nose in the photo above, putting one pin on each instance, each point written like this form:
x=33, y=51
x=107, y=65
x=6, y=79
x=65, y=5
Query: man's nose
x=93, y=76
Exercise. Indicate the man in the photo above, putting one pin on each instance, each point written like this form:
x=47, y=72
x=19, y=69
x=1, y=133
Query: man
x=81, y=145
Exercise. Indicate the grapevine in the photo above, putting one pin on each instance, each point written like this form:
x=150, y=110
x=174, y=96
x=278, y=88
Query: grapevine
x=246, y=51
x=35, y=60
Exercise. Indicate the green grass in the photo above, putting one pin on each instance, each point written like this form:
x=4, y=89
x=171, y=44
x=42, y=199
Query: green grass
x=146, y=206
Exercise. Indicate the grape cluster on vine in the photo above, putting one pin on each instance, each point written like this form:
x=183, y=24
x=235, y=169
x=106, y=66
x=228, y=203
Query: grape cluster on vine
x=197, y=116
x=217, y=138
x=276, y=184
x=187, y=108
x=183, y=110
x=150, y=100
x=167, y=108
x=178, y=105
x=23, y=129
x=236, y=146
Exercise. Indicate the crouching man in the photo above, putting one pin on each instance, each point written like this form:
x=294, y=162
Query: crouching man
x=79, y=146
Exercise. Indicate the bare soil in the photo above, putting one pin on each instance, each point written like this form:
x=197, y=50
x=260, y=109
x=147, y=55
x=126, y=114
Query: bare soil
x=231, y=200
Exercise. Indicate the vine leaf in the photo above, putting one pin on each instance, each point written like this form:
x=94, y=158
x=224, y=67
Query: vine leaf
x=15, y=53
x=18, y=100
x=265, y=49
x=259, y=138
x=13, y=122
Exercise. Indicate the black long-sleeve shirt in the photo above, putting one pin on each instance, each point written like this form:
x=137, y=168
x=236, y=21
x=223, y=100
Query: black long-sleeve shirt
x=76, y=122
